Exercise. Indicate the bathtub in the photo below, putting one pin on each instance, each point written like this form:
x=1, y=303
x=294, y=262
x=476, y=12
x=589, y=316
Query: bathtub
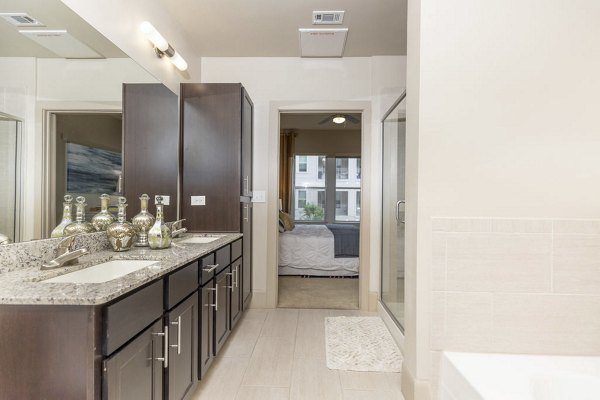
x=476, y=376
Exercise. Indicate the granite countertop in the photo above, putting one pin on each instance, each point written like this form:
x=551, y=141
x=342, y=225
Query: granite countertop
x=25, y=285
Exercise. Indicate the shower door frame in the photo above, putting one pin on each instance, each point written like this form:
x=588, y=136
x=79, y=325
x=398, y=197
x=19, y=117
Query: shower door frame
x=18, y=173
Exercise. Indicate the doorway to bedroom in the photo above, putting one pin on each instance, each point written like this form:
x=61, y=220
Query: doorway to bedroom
x=319, y=210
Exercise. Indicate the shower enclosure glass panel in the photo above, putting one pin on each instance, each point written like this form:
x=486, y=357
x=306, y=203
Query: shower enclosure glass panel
x=393, y=174
x=9, y=180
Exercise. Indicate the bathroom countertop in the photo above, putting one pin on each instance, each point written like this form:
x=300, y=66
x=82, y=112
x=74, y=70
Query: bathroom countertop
x=25, y=286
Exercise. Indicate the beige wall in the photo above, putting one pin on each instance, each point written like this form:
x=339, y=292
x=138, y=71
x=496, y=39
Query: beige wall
x=330, y=143
x=377, y=80
x=501, y=123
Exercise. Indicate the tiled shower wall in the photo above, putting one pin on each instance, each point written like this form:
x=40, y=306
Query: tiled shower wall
x=515, y=286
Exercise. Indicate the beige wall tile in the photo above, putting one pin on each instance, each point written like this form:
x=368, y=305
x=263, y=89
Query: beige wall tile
x=590, y=227
x=438, y=261
x=461, y=224
x=546, y=324
x=499, y=262
x=576, y=264
x=522, y=225
x=437, y=320
x=271, y=363
x=468, y=321
x=312, y=380
x=262, y=393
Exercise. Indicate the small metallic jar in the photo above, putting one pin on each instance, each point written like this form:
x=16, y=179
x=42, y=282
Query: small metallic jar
x=104, y=218
x=80, y=225
x=67, y=217
x=121, y=234
x=159, y=236
x=143, y=222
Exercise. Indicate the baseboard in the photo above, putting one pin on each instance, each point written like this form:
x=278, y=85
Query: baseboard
x=391, y=325
x=413, y=389
x=259, y=300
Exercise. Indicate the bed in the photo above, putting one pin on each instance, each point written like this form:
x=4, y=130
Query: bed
x=314, y=250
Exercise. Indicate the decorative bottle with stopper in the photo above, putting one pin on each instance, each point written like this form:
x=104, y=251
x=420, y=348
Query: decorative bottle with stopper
x=67, y=217
x=159, y=236
x=143, y=221
x=80, y=225
x=104, y=218
x=121, y=234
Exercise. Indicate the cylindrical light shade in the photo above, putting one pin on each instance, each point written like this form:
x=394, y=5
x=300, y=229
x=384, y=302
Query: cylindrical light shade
x=156, y=38
x=178, y=62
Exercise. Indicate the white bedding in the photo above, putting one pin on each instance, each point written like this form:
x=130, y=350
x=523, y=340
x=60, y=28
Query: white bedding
x=311, y=247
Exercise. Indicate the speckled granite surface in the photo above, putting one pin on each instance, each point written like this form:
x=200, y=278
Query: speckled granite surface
x=21, y=277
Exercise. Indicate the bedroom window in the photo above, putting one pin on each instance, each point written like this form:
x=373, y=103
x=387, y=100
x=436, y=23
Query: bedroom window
x=347, y=187
x=309, y=188
x=341, y=204
x=357, y=203
x=341, y=168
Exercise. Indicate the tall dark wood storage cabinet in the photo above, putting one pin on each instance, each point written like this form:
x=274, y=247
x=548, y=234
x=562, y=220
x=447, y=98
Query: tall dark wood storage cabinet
x=216, y=134
x=150, y=145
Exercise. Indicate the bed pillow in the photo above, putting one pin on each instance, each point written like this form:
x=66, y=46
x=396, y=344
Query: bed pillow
x=281, y=227
x=287, y=221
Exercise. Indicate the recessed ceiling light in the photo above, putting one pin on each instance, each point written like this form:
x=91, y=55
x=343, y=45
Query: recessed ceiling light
x=339, y=119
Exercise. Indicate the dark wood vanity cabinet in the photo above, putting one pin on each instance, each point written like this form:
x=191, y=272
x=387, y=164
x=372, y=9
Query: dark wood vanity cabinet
x=222, y=310
x=206, y=338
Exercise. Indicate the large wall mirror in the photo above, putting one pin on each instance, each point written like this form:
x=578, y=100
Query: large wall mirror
x=60, y=115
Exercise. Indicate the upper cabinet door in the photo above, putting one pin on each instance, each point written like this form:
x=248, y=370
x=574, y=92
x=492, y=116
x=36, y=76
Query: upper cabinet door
x=150, y=145
x=247, y=138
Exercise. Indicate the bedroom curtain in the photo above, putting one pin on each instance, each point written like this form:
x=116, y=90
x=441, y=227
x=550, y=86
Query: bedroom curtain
x=286, y=168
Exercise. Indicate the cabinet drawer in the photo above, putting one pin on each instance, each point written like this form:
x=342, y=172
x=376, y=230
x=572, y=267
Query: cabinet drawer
x=236, y=249
x=181, y=283
x=206, y=264
x=223, y=258
x=128, y=316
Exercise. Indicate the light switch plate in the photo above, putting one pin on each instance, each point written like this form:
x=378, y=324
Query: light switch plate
x=258, y=196
x=166, y=199
x=198, y=200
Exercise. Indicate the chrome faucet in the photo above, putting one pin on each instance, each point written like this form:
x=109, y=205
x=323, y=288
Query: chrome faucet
x=64, y=254
x=176, y=228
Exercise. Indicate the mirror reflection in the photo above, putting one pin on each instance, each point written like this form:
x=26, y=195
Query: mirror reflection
x=60, y=116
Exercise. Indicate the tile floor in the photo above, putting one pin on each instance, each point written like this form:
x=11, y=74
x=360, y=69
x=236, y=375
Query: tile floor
x=280, y=355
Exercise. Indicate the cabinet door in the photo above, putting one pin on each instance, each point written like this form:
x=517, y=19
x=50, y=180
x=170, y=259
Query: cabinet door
x=183, y=348
x=236, y=291
x=247, y=121
x=206, y=337
x=246, y=274
x=222, y=310
x=135, y=372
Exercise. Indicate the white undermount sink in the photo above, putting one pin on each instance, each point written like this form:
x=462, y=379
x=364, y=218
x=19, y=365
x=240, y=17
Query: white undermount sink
x=104, y=272
x=200, y=239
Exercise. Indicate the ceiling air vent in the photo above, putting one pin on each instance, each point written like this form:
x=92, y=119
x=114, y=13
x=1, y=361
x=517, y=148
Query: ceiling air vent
x=21, y=19
x=322, y=42
x=60, y=42
x=328, y=17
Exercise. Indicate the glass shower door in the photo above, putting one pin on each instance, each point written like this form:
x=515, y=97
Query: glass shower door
x=393, y=174
x=9, y=161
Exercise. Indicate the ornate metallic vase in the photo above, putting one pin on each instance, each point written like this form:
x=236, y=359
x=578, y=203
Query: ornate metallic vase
x=80, y=225
x=121, y=234
x=104, y=218
x=67, y=217
x=143, y=222
x=159, y=236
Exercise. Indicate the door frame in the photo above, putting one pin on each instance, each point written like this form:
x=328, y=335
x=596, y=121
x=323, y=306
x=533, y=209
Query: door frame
x=367, y=300
x=19, y=173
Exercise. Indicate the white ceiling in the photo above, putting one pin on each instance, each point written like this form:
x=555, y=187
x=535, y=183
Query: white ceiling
x=55, y=15
x=310, y=121
x=269, y=28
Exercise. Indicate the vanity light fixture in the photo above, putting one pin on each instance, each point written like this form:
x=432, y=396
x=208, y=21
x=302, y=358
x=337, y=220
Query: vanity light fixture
x=162, y=47
x=339, y=119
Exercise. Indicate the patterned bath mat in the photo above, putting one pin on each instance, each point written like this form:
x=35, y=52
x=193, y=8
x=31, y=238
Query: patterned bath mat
x=360, y=344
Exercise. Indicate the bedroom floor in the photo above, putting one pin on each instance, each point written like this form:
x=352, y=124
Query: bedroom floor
x=280, y=355
x=334, y=293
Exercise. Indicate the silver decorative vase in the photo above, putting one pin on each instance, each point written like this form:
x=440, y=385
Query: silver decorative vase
x=104, y=218
x=143, y=222
x=121, y=234
x=159, y=236
x=80, y=225
x=67, y=217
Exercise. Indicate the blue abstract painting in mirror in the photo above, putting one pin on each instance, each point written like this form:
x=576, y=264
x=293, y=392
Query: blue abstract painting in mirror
x=92, y=170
